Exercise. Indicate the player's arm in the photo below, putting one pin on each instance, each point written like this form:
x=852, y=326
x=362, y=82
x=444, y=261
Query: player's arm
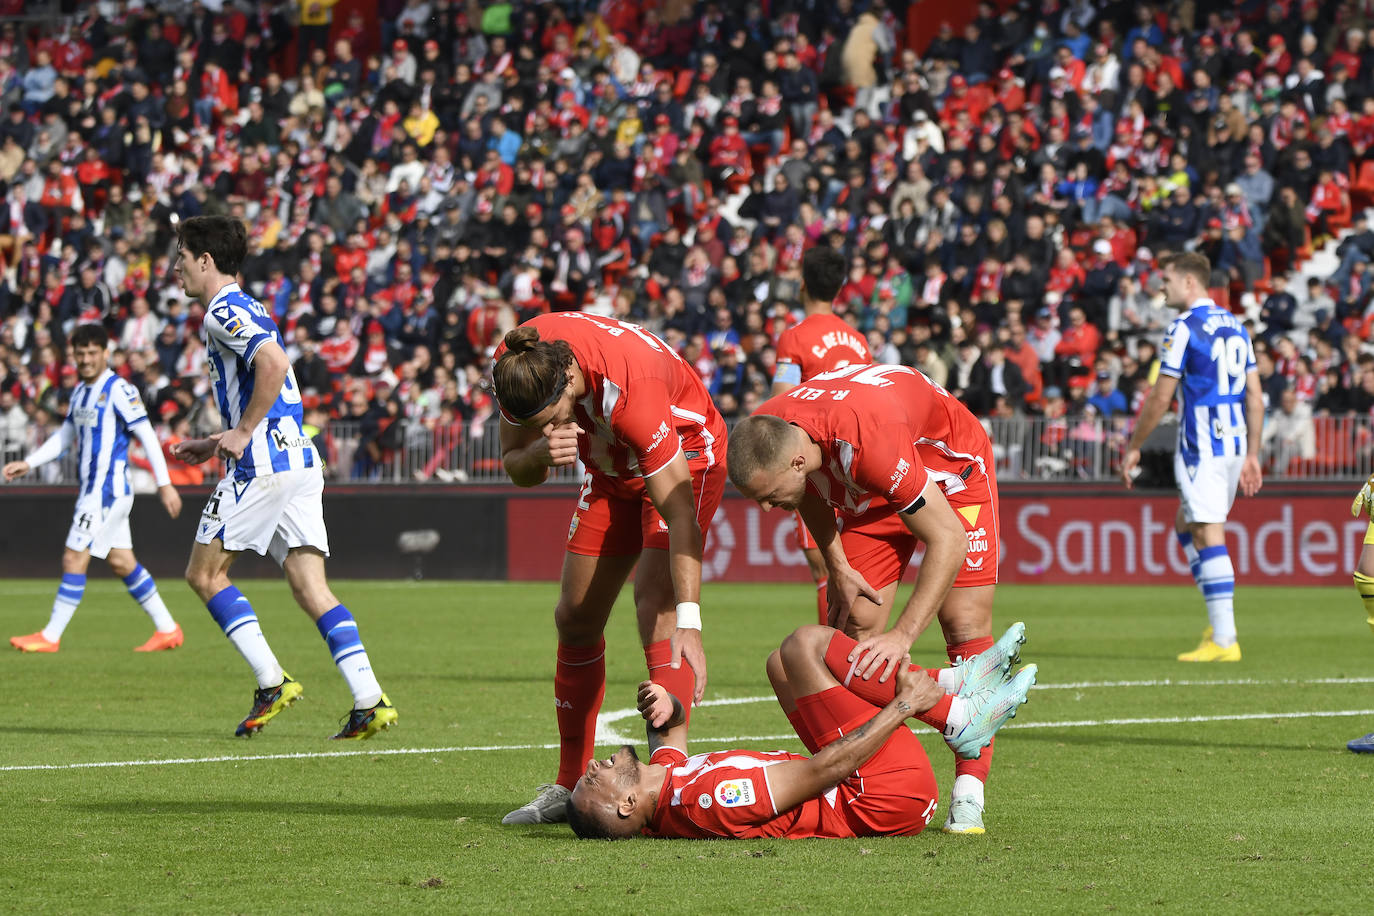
x=930, y=520
x=786, y=376
x=269, y=364
x=147, y=437
x=52, y=448
x=665, y=721
x=846, y=585
x=670, y=490
x=1251, y=476
x=1156, y=405
x=797, y=781
x=527, y=454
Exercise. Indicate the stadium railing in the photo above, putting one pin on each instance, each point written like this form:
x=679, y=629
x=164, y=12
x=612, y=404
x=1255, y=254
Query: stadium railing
x=1025, y=449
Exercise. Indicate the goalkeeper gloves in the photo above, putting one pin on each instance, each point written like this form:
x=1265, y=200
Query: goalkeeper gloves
x=1364, y=498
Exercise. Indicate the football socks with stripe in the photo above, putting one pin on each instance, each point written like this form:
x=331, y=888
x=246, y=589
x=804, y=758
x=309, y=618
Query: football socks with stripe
x=143, y=589
x=1217, y=579
x=64, y=605
x=235, y=617
x=340, y=632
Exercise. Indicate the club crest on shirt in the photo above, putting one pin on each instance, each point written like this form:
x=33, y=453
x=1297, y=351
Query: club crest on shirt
x=704, y=800
x=735, y=793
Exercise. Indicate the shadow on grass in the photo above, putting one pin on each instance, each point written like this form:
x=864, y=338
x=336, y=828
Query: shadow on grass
x=90, y=732
x=487, y=812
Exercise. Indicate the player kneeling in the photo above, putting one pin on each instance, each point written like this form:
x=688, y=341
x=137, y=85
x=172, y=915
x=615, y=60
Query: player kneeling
x=868, y=776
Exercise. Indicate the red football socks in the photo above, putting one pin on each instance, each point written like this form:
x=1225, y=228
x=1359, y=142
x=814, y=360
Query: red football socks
x=680, y=682
x=872, y=690
x=579, y=686
x=978, y=768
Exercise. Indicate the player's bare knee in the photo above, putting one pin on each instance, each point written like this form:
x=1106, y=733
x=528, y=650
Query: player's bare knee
x=74, y=561
x=573, y=626
x=806, y=642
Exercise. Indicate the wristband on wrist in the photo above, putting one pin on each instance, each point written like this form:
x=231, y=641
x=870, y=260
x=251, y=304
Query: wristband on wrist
x=688, y=615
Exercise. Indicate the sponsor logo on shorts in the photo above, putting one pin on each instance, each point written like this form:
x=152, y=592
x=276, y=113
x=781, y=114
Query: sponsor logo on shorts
x=736, y=793
x=978, y=543
x=572, y=525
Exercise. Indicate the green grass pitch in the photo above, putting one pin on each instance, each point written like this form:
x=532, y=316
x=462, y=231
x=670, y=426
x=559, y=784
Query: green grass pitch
x=1122, y=786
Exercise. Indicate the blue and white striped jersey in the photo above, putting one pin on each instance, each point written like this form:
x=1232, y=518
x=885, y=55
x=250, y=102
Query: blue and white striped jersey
x=236, y=326
x=1209, y=352
x=99, y=417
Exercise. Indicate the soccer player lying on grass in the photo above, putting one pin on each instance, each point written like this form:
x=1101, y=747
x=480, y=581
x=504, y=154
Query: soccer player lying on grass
x=868, y=776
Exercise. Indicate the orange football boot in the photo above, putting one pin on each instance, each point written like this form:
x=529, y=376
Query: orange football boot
x=159, y=641
x=34, y=642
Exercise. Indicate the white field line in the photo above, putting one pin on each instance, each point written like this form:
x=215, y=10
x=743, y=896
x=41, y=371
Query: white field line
x=385, y=752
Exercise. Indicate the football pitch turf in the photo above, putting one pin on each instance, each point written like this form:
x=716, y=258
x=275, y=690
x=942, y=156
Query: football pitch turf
x=1129, y=783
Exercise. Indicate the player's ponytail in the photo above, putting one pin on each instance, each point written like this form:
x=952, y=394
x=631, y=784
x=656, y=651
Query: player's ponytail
x=531, y=374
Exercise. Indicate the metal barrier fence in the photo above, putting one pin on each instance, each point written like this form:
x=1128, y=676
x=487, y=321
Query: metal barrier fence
x=1025, y=448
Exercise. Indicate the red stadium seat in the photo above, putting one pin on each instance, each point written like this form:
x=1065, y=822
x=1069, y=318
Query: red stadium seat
x=1362, y=188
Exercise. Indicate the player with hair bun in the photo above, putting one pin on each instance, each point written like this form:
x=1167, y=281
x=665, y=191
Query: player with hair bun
x=574, y=386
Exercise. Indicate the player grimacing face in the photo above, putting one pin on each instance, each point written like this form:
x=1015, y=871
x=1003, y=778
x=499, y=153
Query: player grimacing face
x=605, y=785
x=778, y=489
x=90, y=362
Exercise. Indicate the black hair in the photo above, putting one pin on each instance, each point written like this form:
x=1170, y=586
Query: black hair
x=584, y=825
x=823, y=272
x=224, y=239
x=90, y=335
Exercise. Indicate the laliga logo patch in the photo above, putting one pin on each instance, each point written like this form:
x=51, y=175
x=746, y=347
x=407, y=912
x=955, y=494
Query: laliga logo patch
x=703, y=800
x=735, y=793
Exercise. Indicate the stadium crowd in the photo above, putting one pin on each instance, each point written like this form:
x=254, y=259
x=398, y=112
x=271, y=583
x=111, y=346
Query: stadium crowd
x=418, y=184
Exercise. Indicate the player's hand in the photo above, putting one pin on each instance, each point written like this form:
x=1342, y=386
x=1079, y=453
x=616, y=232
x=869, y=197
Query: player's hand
x=879, y=653
x=562, y=444
x=655, y=705
x=194, y=451
x=1363, y=499
x=915, y=688
x=17, y=469
x=846, y=586
x=171, y=500
x=231, y=443
x=686, y=645
x=1251, y=478
x=1130, y=467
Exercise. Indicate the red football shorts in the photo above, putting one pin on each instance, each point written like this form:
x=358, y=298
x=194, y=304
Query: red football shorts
x=616, y=518
x=894, y=792
x=880, y=549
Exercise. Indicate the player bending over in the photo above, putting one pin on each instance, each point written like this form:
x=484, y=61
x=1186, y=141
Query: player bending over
x=570, y=385
x=1209, y=362
x=104, y=411
x=901, y=461
x=270, y=498
x=820, y=342
x=1364, y=584
x=868, y=775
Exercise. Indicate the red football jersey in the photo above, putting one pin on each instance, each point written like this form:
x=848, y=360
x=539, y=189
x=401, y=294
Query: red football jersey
x=884, y=432
x=818, y=344
x=643, y=403
x=726, y=794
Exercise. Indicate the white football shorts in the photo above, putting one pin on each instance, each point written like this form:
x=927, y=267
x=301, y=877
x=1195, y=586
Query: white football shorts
x=1208, y=488
x=101, y=529
x=268, y=515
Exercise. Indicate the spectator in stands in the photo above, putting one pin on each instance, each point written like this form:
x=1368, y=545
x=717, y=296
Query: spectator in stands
x=1289, y=432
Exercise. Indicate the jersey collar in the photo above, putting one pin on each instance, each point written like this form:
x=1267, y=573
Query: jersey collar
x=1201, y=304
x=224, y=292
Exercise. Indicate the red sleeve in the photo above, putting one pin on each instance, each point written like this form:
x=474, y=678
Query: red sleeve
x=885, y=464
x=668, y=756
x=643, y=420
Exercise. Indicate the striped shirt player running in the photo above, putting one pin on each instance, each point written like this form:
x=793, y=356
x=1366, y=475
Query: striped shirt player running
x=1210, y=364
x=270, y=498
x=104, y=412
